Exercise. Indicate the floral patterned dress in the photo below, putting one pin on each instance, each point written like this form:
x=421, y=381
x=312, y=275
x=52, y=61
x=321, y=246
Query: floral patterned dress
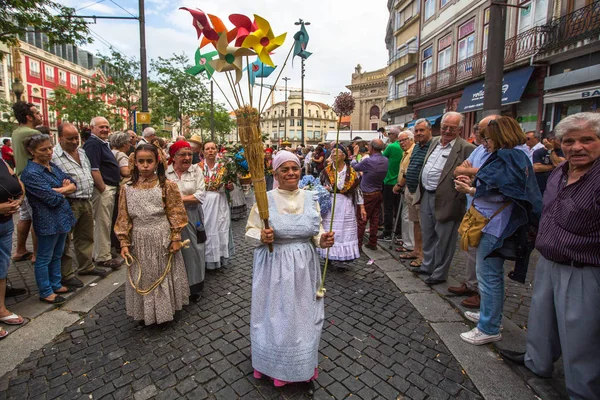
x=150, y=217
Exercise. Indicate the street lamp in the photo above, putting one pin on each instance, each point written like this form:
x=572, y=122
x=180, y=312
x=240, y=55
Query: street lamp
x=286, y=79
x=18, y=88
x=302, y=23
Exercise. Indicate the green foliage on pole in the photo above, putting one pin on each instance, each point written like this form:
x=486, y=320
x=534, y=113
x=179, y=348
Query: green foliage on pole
x=50, y=17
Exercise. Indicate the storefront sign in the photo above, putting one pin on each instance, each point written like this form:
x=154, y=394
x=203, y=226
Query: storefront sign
x=573, y=95
x=513, y=86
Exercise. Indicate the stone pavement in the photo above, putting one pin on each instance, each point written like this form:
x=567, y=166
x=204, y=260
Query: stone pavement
x=375, y=344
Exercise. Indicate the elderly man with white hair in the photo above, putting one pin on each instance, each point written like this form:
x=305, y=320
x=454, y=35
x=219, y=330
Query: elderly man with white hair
x=407, y=142
x=564, y=319
x=106, y=175
x=442, y=207
x=148, y=135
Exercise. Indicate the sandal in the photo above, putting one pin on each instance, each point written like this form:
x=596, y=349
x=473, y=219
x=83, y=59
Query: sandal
x=409, y=256
x=12, y=319
x=403, y=249
x=24, y=257
x=3, y=333
x=417, y=263
x=58, y=300
x=69, y=289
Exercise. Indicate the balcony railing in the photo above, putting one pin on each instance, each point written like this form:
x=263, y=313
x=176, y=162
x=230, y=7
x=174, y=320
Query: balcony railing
x=580, y=25
x=583, y=24
x=516, y=48
x=397, y=94
x=402, y=52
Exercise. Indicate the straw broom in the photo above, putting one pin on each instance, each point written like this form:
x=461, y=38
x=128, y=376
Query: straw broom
x=250, y=136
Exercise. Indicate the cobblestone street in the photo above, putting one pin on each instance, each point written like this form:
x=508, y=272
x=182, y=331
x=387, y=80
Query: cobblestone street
x=375, y=344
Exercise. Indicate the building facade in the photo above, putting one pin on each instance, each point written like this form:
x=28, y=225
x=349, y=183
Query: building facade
x=42, y=68
x=370, y=91
x=543, y=37
x=282, y=122
x=402, y=43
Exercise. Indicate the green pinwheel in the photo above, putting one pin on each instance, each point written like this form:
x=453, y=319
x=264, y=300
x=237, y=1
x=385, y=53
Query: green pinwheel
x=202, y=64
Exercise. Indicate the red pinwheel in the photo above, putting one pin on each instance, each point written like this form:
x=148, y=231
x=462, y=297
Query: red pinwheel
x=244, y=25
x=201, y=23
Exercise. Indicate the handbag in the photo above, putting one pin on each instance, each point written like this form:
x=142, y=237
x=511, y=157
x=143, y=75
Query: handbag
x=471, y=227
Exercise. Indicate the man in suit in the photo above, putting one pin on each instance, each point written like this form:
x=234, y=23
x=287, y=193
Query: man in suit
x=442, y=207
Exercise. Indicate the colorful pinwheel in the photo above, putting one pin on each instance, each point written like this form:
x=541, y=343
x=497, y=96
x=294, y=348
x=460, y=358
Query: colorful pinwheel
x=300, y=43
x=202, y=64
x=200, y=22
x=263, y=41
x=230, y=58
x=244, y=27
x=258, y=70
x=220, y=28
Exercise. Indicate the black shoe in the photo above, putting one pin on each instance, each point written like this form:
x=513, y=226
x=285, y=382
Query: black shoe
x=385, y=238
x=419, y=271
x=112, y=264
x=57, y=300
x=13, y=292
x=194, y=297
x=95, y=272
x=368, y=246
x=513, y=356
x=73, y=281
x=429, y=281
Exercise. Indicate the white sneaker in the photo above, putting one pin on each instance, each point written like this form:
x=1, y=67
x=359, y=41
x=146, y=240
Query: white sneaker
x=473, y=316
x=476, y=337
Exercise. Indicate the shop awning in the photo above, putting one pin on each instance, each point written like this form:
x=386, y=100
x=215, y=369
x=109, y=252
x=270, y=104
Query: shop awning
x=432, y=120
x=574, y=94
x=513, y=86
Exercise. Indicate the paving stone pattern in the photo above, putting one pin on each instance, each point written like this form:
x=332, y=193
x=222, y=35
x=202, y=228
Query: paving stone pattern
x=517, y=298
x=374, y=345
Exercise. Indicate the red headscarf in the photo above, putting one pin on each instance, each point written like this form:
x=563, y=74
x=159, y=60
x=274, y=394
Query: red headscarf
x=175, y=147
x=269, y=150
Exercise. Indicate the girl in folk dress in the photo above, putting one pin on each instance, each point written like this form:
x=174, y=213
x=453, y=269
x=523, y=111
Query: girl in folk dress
x=348, y=198
x=151, y=217
x=219, y=238
x=286, y=316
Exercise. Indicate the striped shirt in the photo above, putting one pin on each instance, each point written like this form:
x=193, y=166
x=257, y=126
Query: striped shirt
x=81, y=174
x=569, y=229
x=417, y=158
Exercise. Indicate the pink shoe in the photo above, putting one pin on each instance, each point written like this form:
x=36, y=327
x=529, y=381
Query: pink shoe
x=257, y=375
x=279, y=383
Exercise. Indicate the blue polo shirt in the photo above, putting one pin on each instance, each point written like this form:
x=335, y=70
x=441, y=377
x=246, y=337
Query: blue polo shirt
x=102, y=159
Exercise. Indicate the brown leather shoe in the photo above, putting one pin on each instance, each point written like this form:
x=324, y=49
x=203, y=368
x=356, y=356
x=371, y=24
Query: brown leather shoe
x=461, y=290
x=472, y=302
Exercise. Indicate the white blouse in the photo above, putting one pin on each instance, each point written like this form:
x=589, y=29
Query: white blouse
x=287, y=202
x=191, y=182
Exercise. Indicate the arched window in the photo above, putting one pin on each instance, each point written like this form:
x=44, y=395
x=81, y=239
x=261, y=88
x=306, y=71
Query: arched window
x=374, y=113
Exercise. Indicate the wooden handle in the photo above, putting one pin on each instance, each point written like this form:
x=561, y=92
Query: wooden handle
x=266, y=222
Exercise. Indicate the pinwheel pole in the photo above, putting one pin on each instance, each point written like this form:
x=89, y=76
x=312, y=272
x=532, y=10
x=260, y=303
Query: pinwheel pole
x=343, y=106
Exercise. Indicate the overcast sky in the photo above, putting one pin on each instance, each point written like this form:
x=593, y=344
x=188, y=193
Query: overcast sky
x=342, y=33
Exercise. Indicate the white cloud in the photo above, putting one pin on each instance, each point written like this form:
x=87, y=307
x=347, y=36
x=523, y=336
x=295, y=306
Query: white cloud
x=342, y=34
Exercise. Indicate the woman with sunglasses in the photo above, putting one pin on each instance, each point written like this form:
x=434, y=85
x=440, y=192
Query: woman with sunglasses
x=505, y=191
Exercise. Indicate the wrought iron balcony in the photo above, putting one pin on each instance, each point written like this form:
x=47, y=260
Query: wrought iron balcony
x=540, y=41
x=580, y=25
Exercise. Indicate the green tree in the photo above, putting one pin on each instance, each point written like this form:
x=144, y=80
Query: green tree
x=123, y=81
x=8, y=122
x=47, y=16
x=224, y=124
x=175, y=94
x=80, y=107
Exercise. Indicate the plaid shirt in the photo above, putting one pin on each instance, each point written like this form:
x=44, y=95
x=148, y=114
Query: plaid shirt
x=81, y=174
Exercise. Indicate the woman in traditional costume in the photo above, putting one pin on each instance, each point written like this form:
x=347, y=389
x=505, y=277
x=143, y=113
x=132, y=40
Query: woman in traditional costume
x=286, y=315
x=151, y=218
x=219, y=238
x=190, y=180
x=349, y=198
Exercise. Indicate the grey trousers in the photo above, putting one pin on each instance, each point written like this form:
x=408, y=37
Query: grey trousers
x=564, y=320
x=471, y=269
x=439, y=240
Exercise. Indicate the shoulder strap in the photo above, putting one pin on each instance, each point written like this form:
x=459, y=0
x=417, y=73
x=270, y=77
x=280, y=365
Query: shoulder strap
x=498, y=211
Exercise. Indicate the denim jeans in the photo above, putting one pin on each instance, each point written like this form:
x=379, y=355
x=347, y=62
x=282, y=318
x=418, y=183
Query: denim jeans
x=6, y=232
x=47, y=263
x=490, y=275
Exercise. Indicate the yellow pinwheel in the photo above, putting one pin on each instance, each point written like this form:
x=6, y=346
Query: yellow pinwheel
x=230, y=58
x=263, y=41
